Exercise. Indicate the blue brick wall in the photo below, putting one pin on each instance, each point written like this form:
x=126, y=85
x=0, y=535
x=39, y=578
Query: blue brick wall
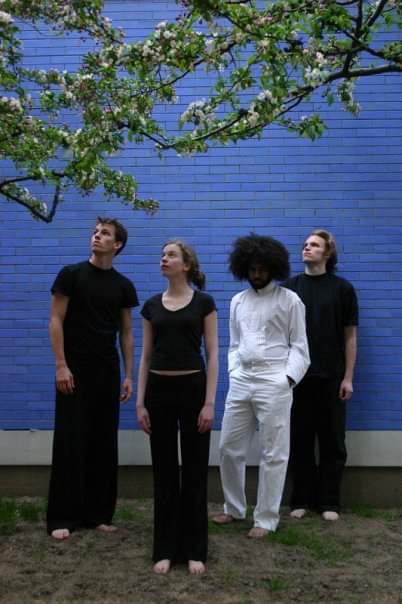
x=349, y=182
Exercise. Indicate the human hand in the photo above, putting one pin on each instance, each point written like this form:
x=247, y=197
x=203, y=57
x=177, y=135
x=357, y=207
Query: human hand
x=64, y=380
x=126, y=390
x=205, y=419
x=345, y=390
x=143, y=419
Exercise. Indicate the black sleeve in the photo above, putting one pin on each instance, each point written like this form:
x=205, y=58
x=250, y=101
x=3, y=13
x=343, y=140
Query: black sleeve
x=350, y=307
x=130, y=295
x=64, y=282
x=208, y=305
x=146, y=310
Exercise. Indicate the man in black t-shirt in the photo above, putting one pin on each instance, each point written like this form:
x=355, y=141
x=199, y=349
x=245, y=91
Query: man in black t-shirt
x=91, y=304
x=319, y=405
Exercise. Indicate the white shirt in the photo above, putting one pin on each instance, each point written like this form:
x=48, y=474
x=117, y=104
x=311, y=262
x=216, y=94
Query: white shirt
x=269, y=325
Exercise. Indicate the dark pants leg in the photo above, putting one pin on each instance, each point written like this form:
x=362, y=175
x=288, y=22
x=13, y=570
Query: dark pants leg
x=83, y=483
x=331, y=446
x=317, y=412
x=180, y=498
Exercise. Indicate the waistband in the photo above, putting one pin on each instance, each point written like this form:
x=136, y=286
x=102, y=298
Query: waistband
x=262, y=364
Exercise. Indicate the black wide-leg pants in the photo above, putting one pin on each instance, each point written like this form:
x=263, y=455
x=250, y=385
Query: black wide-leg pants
x=317, y=413
x=180, y=497
x=83, y=482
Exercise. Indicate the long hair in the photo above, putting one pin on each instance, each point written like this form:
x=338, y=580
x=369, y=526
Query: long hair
x=330, y=248
x=120, y=231
x=194, y=274
x=253, y=248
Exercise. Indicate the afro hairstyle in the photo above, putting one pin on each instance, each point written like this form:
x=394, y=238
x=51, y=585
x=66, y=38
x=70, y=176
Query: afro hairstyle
x=253, y=248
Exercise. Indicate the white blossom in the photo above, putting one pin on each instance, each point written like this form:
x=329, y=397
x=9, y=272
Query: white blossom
x=5, y=18
x=252, y=118
x=265, y=95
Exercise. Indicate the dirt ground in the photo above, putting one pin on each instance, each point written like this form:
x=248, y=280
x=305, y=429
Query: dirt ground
x=355, y=560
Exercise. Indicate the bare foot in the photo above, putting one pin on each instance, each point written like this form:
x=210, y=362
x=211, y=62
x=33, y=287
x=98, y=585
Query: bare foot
x=106, y=528
x=195, y=567
x=257, y=532
x=223, y=519
x=162, y=567
x=299, y=513
x=61, y=534
x=332, y=516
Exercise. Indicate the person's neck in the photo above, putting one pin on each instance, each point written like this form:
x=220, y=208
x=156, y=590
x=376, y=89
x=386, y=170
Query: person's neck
x=104, y=262
x=178, y=287
x=315, y=270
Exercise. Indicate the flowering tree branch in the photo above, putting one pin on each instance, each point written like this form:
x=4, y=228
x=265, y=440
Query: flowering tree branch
x=263, y=60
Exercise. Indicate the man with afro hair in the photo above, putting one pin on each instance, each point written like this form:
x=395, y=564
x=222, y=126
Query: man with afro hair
x=268, y=355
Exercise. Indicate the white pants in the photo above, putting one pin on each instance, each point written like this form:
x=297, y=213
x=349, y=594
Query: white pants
x=258, y=396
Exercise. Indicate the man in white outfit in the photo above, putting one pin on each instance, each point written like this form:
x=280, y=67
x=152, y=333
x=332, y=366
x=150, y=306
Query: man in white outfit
x=268, y=355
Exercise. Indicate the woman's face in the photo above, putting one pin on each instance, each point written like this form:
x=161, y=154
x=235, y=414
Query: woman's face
x=172, y=262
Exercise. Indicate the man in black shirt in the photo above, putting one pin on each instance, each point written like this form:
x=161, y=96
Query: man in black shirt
x=91, y=303
x=319, y=404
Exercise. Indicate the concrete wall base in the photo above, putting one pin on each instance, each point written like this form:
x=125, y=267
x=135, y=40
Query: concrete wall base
x=377, y=487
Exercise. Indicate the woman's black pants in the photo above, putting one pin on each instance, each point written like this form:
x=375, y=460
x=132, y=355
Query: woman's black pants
x=180, y=497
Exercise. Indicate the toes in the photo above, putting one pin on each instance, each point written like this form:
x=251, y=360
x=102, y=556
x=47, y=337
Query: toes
x=162, y=567
x=196, y=567
x=60, y=534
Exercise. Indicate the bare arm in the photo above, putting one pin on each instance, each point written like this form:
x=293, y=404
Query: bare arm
x=206, y=416
x=346, y=387
x=64, y=377
x=142, y=413
x=127, y=348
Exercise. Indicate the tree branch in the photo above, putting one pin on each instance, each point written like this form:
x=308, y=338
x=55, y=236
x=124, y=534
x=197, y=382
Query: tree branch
x=377, y=13
x=34, y=211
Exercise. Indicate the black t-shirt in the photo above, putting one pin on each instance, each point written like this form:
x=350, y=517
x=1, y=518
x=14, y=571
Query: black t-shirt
x=177, y=334
x=96, y=298
x=331, y=305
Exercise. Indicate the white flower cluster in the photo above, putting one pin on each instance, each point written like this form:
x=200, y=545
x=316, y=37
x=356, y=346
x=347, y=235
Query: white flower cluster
x=12, y=103
x=5, y=18
x=197, y=112
x=266, y=95
x=315, y=75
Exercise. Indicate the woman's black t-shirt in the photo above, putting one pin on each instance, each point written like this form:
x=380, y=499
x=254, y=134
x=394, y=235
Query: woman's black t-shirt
x=177, y=334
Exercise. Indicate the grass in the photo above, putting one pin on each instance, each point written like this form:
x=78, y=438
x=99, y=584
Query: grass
x=132, y=511
x=320, y=547
x=276, y=584
x=13, y=510
x=31, y=511
x=8, y=516
x=365, y=511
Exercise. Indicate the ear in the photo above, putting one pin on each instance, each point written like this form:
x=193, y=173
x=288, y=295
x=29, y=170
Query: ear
x=117, y=245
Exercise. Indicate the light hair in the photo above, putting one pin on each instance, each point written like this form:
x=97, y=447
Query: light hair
x=330, y=248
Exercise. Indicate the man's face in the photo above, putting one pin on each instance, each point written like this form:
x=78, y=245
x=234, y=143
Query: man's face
x=314, y=251
x=103, y=240
x=258, y=275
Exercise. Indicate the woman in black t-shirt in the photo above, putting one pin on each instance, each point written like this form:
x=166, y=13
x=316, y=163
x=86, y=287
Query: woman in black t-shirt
x=176, y=393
